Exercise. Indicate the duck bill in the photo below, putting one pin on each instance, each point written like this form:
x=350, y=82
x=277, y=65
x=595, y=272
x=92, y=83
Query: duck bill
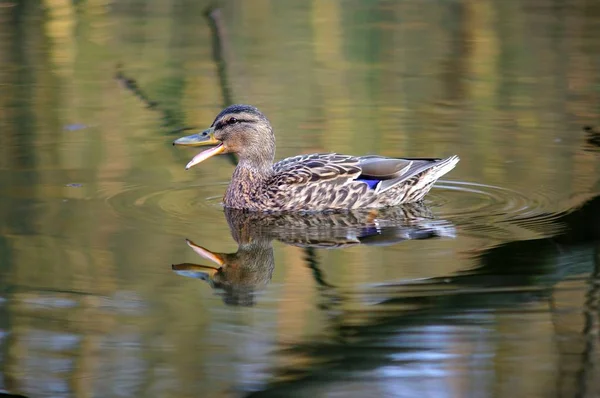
x=202, y=156
x=204, y=138
x=197, y=271
x=216, y=258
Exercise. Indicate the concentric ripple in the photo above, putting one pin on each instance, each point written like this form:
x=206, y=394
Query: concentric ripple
x=168, y=208
x=483, y=210
x=496, y=211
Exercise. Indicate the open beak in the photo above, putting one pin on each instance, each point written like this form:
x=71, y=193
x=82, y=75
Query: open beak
x=206, y=137
x=216, y=258
x=205, y=272
x=198, y=271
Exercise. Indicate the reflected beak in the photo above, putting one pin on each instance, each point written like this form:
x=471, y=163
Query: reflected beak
x=195, y=270
x=206, y=137
x=216, y=258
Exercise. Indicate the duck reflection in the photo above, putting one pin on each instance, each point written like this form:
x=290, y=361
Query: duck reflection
x=239, y=275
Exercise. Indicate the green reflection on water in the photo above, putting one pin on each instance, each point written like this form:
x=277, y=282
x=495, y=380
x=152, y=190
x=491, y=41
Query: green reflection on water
x=95, y=203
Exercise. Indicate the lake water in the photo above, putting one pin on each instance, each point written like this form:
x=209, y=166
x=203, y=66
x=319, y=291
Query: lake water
x=108, y=285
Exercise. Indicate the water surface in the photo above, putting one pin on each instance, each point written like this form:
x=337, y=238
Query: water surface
x=488, y=289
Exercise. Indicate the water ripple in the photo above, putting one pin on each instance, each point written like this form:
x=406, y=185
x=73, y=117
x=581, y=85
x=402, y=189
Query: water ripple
x=170, y=206
x=484, y=210
x=493, y=211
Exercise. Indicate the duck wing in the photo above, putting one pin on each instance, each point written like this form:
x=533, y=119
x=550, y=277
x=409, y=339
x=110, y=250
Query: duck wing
x=383, y=173
x=327, y=181
x=315, y=168
x=379, y=172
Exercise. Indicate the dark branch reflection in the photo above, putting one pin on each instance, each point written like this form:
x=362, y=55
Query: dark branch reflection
x=593, y=136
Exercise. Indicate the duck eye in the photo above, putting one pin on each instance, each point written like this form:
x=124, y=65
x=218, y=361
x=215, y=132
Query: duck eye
x=232, y=121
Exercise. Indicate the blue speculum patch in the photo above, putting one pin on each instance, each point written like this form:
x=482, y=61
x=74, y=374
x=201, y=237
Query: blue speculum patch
x=371, y=183
x=370, y=231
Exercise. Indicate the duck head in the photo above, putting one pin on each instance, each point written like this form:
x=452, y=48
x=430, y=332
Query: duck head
x=239, y=129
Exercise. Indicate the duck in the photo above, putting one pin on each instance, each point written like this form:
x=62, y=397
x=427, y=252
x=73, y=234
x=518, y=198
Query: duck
x=312, y=182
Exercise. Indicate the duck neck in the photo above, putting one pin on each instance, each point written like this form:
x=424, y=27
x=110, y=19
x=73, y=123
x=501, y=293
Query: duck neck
x=247, y=179
x=253, y=171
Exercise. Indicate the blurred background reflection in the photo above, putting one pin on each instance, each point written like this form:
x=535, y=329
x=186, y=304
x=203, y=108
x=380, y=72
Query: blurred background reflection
x=501, y=299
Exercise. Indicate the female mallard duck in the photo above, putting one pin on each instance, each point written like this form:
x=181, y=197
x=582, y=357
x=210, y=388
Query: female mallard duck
x=308, y=182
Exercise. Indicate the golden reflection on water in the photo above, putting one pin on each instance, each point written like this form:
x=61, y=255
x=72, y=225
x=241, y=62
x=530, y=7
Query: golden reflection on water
x=95, y=202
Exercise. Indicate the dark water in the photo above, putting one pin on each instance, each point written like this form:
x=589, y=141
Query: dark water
x=489, y=289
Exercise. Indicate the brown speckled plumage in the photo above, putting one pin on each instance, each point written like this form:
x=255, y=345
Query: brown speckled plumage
x=314, y=182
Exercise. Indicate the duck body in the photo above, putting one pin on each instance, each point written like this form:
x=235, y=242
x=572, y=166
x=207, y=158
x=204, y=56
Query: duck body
x=319, y=182
x=308, y=183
